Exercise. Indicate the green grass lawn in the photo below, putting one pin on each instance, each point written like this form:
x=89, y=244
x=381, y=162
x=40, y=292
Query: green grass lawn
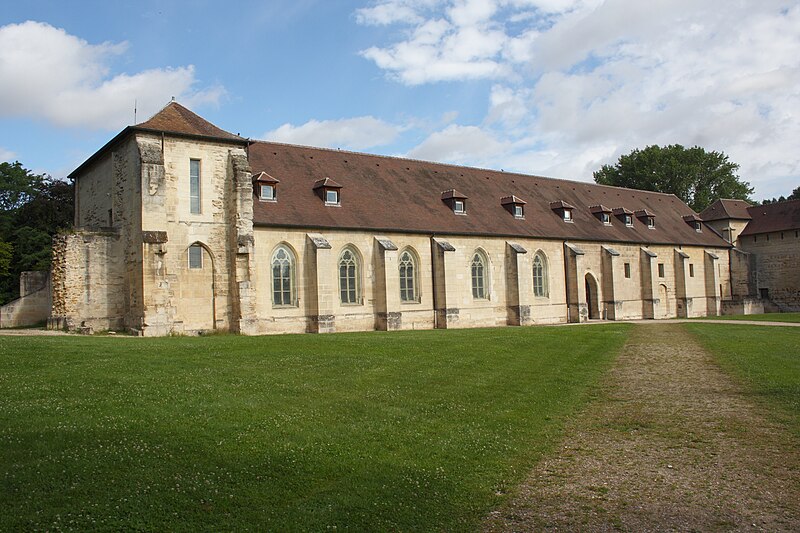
x=375, y=431
x=765, y=358
x=767, y=317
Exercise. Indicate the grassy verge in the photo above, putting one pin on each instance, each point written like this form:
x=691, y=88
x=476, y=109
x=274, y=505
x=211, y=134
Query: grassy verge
x=765, y=358
x=399, y=431
x=767, y=317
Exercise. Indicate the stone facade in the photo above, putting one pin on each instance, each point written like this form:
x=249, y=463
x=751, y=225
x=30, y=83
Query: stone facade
x=34, y=302
x=172, y=238
x=775, y=259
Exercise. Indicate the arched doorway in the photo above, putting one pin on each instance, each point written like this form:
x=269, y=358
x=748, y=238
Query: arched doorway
x=196, y=302
x=663, y=295
x=592, y=298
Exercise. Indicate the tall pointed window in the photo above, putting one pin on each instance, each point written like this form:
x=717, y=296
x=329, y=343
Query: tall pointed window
x=194, y=186
x=348, y=277
x=408, y=281
x=540, y=285
x=478, y=273
x=283, y=284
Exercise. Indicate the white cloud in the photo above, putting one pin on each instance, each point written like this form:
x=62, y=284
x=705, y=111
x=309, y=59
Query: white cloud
x=459, y=144
x=576, y=84
x=357, y=133
x=50, y=74
x=6, y=155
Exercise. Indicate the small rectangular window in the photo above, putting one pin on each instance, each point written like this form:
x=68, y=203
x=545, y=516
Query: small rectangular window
x=627, y=270
x=568, y=215
x=194, y=186
x=267, y=192
x=518, y=211
x=651, y=222
x=767, y=237
x=195, y=256
x=606, y=218
x=698, y=227
x=755, y=238
x=628, y=220
x=661, y=270
x=691, y=270
x=459, y=207
x=332, y=196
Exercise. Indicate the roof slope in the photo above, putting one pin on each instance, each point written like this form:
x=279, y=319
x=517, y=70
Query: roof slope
x=780, y=216
x=174, y=118
x=391, y=194
x=724, y=208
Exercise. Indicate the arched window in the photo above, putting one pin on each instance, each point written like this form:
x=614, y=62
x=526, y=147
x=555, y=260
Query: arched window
x=540, y=285
x=283, y=283
x=408, y=277
x=478, y=267
x=348, y=277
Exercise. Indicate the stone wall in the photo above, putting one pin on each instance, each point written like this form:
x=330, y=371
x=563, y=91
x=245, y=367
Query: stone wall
x=88, y=280
x=33, y=305
x=776, y=256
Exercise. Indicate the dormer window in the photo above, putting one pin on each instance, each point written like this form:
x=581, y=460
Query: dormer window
x=456, y=201
x=266, y=187
x=602, y=213
x=514, y=205
x=329, y=191
x=648, y=218
x=625, y=215
x=694, y=221
x=563, y=209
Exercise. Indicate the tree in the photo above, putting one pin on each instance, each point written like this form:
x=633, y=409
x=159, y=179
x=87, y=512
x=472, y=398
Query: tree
x=794, y=196
x=695, y=176
x=33, y=207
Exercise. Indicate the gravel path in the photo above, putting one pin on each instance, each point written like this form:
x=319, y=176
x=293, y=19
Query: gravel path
x=671, y=444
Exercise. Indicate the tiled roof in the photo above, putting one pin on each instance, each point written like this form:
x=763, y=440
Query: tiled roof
x=724, y=208
x=388, y=194
x=174, y=118
x=780, y=216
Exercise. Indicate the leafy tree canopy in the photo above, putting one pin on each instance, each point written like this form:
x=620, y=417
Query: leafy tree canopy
x=33, y=207
x=794, y=196
x=695, y=176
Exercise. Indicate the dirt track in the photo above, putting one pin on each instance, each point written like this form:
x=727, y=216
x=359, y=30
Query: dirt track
x=671, y=443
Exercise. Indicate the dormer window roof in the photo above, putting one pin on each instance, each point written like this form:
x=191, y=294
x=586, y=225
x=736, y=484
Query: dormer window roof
x=647, y=216
x=624, y=214
x=602, y=213
x=514, y=205
x=695, y=221
x=329, y=191
x=456, y=201
x=563, y=209
x=266, y=187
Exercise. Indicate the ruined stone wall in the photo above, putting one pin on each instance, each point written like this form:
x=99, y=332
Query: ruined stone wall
x=777, y=256
x=89, y=283
x=32, y=306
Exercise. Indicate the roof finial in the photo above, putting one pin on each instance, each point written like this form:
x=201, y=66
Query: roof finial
x=173, y=98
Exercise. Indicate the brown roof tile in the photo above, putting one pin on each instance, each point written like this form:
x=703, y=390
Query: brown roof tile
x=780, y=216
x=388, y=194
x=724, y=208
x=174, y=118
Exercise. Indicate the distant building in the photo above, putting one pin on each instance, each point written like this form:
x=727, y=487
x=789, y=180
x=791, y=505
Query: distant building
x=770, y=235
x=182, y=227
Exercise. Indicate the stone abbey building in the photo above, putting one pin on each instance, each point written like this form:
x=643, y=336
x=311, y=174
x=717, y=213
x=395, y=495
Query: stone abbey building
x=182, y=227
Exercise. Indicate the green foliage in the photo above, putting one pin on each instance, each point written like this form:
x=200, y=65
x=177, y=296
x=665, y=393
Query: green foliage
x=794, y=196
x=695, y=176
x=400, y=431
x=765, y=358
x=32, y=209
x=6, y=251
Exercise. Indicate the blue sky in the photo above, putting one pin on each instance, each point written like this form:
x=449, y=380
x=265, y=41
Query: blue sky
x=549, y=87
